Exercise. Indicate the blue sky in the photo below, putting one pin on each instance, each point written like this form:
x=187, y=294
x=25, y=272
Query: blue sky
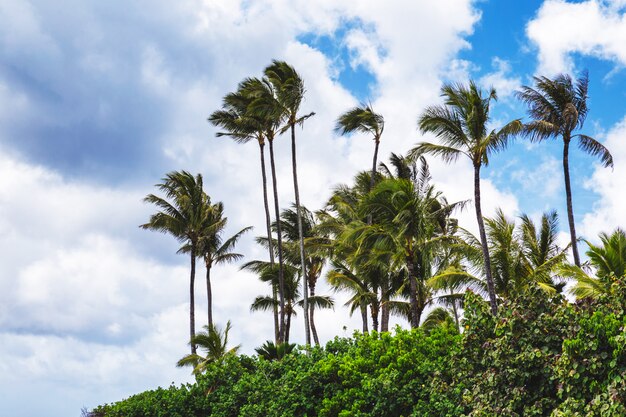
x=99, y=100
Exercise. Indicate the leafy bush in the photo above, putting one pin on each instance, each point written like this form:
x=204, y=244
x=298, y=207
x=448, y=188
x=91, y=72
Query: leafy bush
x=541, y=357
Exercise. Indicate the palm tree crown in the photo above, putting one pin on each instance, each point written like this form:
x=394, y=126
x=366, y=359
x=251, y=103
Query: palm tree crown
x=182, y=213
x=461, y=125
x=558, y=107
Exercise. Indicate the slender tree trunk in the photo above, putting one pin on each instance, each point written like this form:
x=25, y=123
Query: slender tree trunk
x=311, y=311
x=415, y=313
x=209, y=295
x=270, y=242
x=288, y=327
x=296, y=190
x=568, y=195
x=483, y=242
x=384, y=311
x=456, y=314
x=373, y=174
x=374, y=311
x=364, y=317
x=192, y=311
x=281, y=276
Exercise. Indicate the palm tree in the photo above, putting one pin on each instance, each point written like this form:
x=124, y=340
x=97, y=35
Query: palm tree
x=295, y=227
x=181, y=214
x=240, y=125
x=289, y=89
x=265, y=108
x=214, y=249
x=363, y=119
x=215, y=343
x=558, y=107
x=292, y=293
x=461, y=125
x=274, y=352
x=608, y=262
x=403, y=234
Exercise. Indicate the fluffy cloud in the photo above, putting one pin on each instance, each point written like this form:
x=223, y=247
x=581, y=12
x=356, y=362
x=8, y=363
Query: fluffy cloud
x=595, y=27
x=608, y=211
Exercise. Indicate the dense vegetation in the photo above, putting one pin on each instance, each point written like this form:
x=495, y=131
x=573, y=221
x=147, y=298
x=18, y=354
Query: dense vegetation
x=542, y=357
x=493, y=329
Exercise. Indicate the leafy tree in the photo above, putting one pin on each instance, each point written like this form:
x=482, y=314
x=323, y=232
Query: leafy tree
x=215, y=343
x=289, y=90
x=182, y=214
x=558, y=107
x=461, y=124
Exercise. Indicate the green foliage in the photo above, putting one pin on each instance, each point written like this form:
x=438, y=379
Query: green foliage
x=542, y=356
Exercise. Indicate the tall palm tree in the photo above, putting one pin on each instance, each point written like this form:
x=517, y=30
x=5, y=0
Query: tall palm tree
x=558, y=107
x=363, y=119
x=181, y=214
x=289, y=90
x=240, y=125
x=265, y=108
x=214, y=342
x=461, y=125
x=214, y=249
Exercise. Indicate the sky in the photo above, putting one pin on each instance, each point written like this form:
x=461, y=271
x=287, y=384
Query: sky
x=98, y=100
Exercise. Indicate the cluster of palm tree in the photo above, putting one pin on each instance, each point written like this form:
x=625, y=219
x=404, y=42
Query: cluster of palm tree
x=390, y=239
x=262, y=109
x=186, y=212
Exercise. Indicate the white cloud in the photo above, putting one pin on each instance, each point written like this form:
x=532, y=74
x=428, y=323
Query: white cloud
x=608, y=210
x=596, y=28
x=504, y=84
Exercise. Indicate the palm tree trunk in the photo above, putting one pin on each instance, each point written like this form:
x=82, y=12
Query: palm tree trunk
x=281, y=276
x=311, y=311
x=364, y=317
x=483, y=242
x=374, y=311
x=384, y=312
x=456, y=314
x=373, y=174
x=568, y=194
x=415, y=313
x=209, y=295
x=269, y=238
x=192, y=311
x=287, y=327
x=305, y=304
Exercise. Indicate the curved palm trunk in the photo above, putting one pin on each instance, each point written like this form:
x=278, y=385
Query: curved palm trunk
x=281, y=276
x=415, y=310
x=311, y=311
x=269, y=239
x=192, y=311
x=568, y=194
x=209, y=294
x=483, y=242
x=305, y=306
